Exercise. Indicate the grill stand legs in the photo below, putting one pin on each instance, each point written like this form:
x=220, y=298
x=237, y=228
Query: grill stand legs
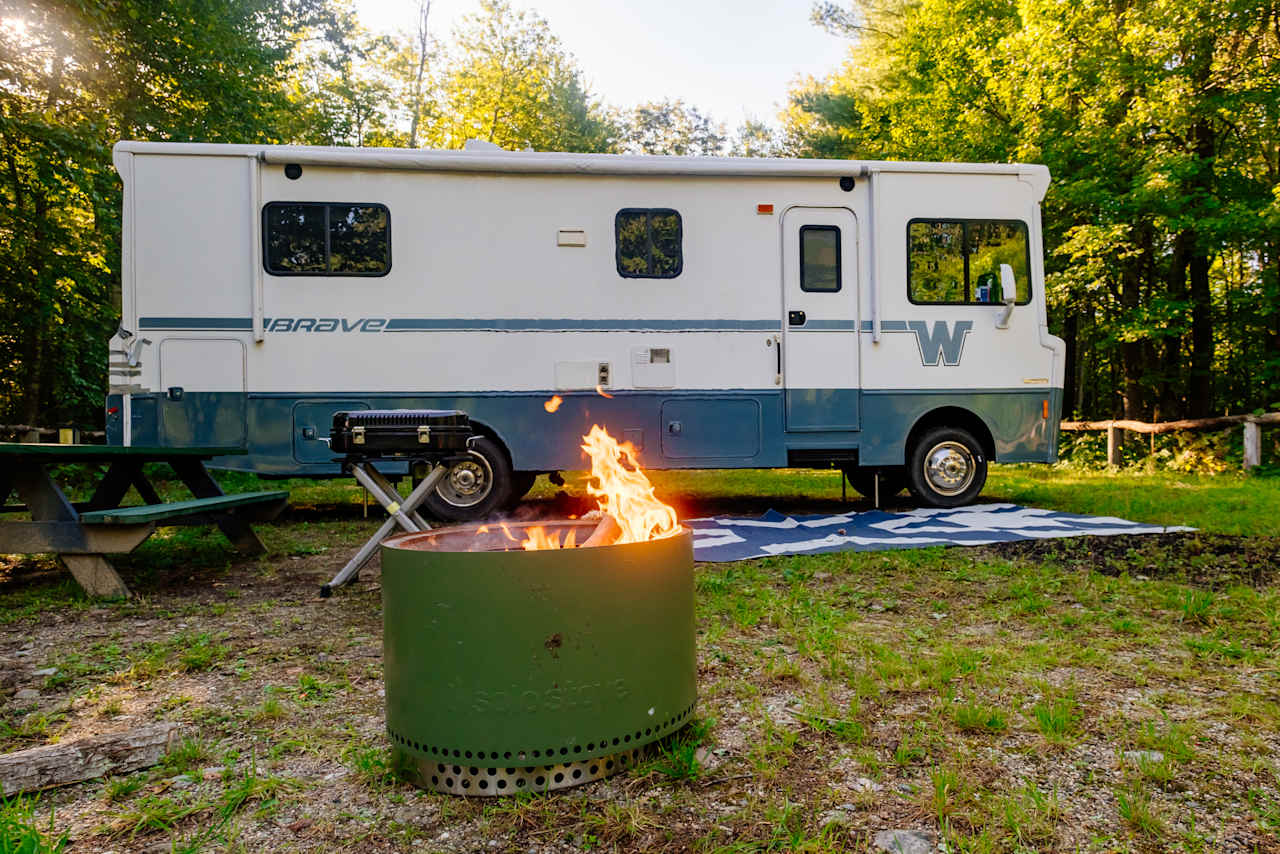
x=401, y=513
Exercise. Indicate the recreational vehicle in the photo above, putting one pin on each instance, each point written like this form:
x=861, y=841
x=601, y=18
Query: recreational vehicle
x=886, y=318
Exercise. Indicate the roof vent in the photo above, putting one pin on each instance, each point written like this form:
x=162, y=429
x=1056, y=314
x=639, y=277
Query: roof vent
x=480, y=145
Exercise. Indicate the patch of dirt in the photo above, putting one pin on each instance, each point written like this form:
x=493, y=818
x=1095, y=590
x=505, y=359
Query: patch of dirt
x=1215, y=561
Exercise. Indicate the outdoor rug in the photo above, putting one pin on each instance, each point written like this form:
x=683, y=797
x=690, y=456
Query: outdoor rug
x=725, y=538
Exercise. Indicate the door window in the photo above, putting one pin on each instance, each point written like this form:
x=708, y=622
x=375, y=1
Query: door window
x=819, y=258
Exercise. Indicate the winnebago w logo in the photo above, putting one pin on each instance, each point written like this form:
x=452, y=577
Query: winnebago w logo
x=940, y=342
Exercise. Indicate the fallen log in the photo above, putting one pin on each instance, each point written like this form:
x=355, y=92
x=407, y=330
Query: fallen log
x=85, y=758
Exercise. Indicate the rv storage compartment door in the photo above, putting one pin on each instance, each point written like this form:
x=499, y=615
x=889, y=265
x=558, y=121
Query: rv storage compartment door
x=203, y=392
x=820, y=318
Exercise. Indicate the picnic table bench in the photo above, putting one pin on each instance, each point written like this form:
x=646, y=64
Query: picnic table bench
x=82, y=533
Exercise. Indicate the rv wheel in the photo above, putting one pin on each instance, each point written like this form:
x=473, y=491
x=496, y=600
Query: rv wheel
x=475, y=487
x=892, y=481
x=947, y=468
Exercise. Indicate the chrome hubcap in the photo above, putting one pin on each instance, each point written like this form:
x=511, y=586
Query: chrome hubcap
x=949, y=467
x=468, y=482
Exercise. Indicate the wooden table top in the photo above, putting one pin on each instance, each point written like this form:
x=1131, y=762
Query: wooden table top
x=106, y=453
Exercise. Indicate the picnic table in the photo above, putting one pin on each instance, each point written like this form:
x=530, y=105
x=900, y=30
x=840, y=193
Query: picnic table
x=82, y=533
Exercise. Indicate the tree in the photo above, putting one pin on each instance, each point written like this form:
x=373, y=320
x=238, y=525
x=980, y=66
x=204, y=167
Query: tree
x=510, y=82
x=754, y=138
x=78, y=76
x=670, y=127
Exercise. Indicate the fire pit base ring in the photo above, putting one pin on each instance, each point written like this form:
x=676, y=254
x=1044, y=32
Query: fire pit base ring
x=481, y=781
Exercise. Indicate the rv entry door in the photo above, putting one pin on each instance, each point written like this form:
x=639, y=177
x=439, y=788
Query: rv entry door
x=820, y=318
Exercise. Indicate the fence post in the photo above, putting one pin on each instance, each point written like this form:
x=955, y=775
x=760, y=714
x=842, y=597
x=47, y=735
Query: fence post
x=1113, y=445
x=1252, y=445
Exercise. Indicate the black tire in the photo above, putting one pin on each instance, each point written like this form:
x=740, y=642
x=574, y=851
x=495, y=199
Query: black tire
x=863, y=480
x=475, y=488
x=521, y=483
x=947, y=467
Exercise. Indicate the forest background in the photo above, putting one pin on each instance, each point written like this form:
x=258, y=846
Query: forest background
x=1159, y=119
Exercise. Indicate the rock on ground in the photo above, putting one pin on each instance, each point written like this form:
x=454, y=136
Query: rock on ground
x=904, y=841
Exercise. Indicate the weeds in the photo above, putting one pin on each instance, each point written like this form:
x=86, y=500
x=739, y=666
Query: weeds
x=20, y=831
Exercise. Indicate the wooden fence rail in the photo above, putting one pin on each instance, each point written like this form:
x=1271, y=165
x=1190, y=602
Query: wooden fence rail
x=1252, y=432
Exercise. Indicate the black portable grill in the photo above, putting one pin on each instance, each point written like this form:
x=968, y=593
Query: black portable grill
x=400, y=433
x=425, y=438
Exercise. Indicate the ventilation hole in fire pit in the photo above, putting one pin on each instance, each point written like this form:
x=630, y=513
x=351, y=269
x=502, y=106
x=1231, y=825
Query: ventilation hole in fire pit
x=564, y=751
x=559, y=778
x=466, y=784
x=507, y=755
x=502, y=784
x=626, y=737
x=595, y=770
x=492, y=772
x=467, y=754
x=519, y=782
x=448, y=781
x=591, y=746
x=615, y=742
x=440, y=768
x=457, y=769
x=473, y=771
x=484, y=784
x=609, y=765
x=577, y=748
x=435, y=781
x=648, y=731
x=577, y=773
x=536, y=754
x=538, y=781
x=456, y=754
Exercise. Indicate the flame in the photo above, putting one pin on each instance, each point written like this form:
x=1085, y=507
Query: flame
x=622, y=492
x=539, y=539
x=600, y=391
x=553, y=404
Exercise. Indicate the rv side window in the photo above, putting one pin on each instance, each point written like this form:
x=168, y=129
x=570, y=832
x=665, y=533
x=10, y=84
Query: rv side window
x=819, y=258
x=326, y=239
x=957, y=262
x=649, y=242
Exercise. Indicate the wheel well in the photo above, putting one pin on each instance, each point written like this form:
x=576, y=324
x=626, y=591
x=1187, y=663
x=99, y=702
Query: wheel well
x=491, y=434
x=953, y=416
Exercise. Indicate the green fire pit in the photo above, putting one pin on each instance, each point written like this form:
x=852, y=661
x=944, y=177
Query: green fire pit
x=511, y=670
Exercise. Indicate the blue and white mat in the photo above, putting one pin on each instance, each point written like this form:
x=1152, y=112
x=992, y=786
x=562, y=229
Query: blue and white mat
x=724, y=538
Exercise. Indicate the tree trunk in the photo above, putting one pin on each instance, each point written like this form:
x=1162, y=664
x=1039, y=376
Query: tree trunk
x=1070, y=331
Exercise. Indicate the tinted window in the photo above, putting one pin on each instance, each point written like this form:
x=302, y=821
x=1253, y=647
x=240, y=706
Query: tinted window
x=820, y=258
x=325, y=239
x=649, y=243
x=958, y=261
x=295, y=239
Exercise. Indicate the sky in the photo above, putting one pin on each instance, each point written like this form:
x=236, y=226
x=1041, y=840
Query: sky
x=730, y=60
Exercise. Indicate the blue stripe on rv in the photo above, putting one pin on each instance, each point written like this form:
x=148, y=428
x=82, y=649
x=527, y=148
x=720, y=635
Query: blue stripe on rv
x=738, y=428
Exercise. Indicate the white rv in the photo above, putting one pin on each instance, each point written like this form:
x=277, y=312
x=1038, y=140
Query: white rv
x=887, y=318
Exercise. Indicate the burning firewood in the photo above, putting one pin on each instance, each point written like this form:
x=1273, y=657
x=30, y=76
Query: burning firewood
x=606, y=533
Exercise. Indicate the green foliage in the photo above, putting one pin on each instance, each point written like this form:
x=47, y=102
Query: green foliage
x=20, y=831
x=80, y=76
x=510, y=82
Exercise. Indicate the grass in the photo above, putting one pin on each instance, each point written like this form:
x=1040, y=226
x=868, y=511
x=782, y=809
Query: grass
x=988, y=695
x=21, y=830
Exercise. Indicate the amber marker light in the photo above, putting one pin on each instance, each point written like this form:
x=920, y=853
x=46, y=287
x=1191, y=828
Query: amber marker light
x=1044, y=411
x=764, y=209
